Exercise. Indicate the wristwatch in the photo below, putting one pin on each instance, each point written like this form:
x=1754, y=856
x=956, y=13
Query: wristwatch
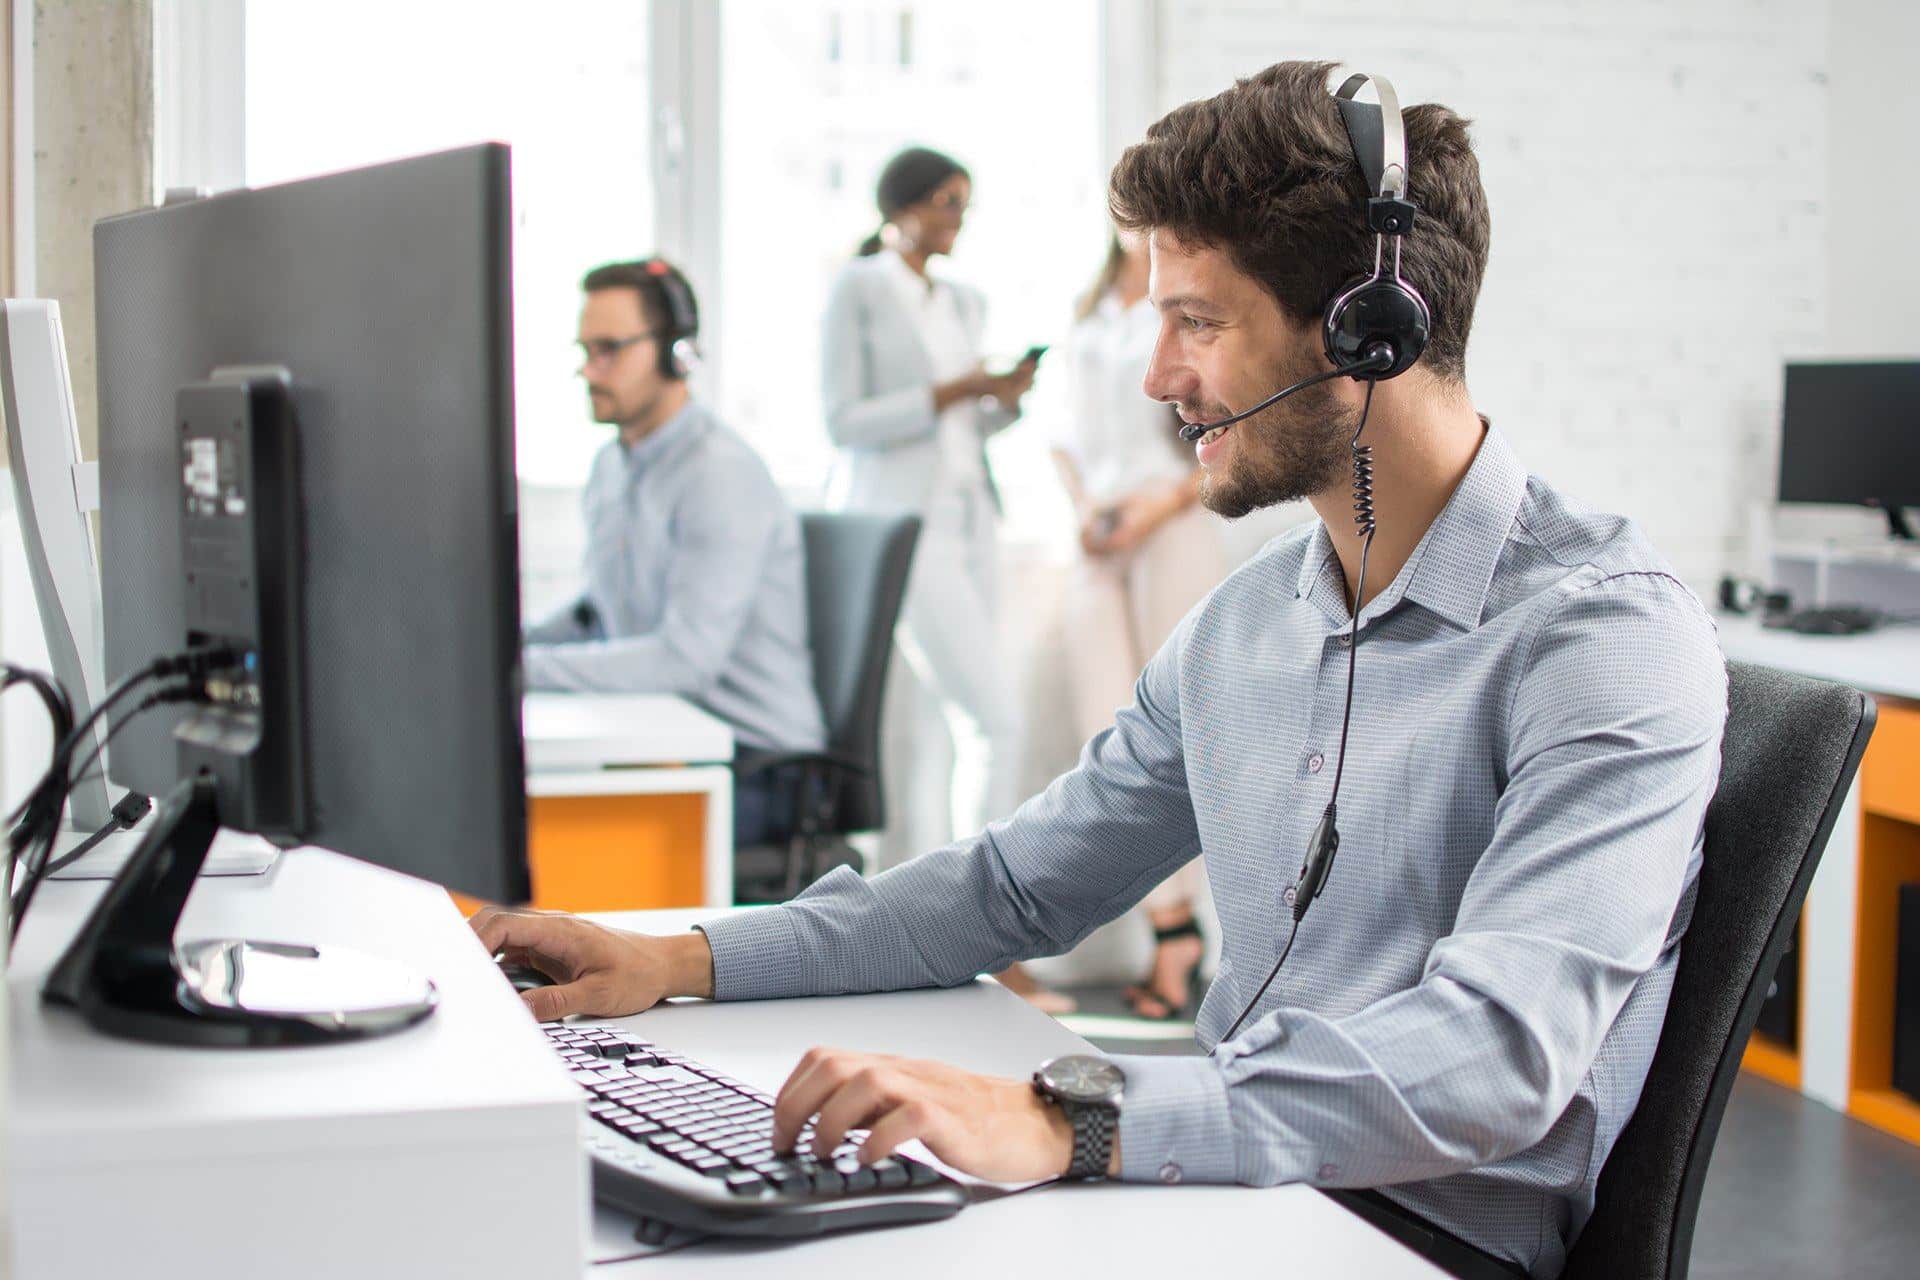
x=1087, y=1089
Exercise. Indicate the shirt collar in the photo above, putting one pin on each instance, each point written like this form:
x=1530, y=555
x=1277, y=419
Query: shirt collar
x=916, y=287
x=681, y=425
x=1452, y=567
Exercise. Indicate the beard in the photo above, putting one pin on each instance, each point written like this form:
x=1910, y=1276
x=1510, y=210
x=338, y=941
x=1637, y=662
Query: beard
x=1292, y=450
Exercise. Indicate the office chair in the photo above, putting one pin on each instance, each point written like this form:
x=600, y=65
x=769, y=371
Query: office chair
x=856, y=578
x=1791, y=748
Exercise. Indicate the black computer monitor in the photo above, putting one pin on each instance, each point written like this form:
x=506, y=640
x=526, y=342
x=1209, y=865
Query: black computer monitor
x=1850, y=432
x=306, y=449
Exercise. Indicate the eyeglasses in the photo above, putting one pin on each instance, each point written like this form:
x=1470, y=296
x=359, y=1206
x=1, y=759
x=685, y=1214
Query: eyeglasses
x=601, y=350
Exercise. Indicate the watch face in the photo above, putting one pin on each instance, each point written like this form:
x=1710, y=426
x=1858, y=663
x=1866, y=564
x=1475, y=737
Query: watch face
x=1081, y=1077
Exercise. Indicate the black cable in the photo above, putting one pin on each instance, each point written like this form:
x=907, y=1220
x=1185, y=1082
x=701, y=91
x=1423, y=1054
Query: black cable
x=50, y=796
x=1364, y=525
x=1326, y=836
x=31, y=817
x=1254, y=1003
x=131, y=808
x=82, y=849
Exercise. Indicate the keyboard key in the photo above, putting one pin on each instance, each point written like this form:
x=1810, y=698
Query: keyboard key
x=892, y=1173
x=861, y=1178
x=746, y=1184
x=920, y=1175
x=826, y=1178
x=784, y=1179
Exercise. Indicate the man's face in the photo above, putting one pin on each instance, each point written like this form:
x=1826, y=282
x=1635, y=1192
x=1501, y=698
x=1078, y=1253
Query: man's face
x=622, y=375
x=1224, y=346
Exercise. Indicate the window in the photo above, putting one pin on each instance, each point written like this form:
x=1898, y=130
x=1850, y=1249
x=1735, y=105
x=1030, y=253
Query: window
x=352, y=82
x=1011, y=89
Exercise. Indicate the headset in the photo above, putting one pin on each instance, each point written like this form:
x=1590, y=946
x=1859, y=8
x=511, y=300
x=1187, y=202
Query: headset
x=1374, y=327
x=677, y=344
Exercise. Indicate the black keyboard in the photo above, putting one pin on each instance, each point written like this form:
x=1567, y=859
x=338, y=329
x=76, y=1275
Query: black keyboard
x=679, y=1143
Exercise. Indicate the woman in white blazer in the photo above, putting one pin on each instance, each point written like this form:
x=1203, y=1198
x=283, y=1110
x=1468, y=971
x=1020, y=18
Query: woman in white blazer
x=909, y=407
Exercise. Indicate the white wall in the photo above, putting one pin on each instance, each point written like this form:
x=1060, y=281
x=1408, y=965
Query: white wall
x=1873, y=184
x=1657, y=175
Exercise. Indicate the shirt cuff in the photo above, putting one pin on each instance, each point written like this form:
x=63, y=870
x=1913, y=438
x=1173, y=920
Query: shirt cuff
x=1174, y=1122
x=756, y=955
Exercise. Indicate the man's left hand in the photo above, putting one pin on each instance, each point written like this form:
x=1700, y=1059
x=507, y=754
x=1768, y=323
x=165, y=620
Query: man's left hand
x=992, y=1128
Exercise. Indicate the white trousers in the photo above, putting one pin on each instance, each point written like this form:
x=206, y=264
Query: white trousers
x=949, y=635
x=1120, y=609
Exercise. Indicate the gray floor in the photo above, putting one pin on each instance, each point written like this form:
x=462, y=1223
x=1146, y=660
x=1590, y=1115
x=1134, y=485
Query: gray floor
x=1795, y=1189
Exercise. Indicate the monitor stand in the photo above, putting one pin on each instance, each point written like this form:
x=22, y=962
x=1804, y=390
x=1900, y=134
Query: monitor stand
x=126, y=976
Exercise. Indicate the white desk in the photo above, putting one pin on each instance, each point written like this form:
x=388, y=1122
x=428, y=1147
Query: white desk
x=1105, y=1230
x=449, y=1149
x=1883, y=661
x=453, y=1148
x=637, y=744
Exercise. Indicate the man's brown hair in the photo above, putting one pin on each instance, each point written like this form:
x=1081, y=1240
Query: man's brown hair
x=1264, y=171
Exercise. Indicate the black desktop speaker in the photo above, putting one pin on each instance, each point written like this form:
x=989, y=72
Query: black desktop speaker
x=1906, y=995
x=1779, y=1019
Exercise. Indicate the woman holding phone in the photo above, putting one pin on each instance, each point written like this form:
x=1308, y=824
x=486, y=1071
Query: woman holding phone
x=1149, y=552
x=909, y=406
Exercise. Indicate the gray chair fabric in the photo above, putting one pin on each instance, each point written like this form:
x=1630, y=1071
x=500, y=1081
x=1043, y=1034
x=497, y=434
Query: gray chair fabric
x=1792, y=747
x=857, y=569
x=856, y=578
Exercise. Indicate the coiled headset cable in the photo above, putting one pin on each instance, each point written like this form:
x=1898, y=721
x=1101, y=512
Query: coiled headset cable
x=1326, y=835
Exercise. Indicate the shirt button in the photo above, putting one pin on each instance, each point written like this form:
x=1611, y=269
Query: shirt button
x=1328, y=1172
x=1343, y=639
x=1314, y=762
x=1171, y=1173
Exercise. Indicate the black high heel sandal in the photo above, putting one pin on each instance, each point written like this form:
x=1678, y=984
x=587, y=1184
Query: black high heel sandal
x=1143, y=991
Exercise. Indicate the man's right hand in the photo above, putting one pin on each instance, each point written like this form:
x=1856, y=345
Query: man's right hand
x=596, y=970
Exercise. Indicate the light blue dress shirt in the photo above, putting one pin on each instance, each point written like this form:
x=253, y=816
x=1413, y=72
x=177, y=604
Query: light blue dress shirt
x=1470, y=1007
x=696, y=585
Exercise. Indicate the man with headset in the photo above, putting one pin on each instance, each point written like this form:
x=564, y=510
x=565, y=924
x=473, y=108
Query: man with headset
x=695, y=581
x=1532, y=701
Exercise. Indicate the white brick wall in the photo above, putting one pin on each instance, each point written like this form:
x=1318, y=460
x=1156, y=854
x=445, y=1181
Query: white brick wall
x=1657, y=176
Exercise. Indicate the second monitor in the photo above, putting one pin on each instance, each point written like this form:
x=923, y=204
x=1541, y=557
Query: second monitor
x=306, y=439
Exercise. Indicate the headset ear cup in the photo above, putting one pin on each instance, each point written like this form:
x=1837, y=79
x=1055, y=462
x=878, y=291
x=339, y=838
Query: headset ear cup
x=1372, y=310
x=682, y=356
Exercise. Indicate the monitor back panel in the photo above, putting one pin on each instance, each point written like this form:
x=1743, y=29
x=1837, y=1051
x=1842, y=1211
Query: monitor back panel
x=385, y=292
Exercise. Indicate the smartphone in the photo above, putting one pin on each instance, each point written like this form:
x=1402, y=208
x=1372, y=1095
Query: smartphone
x=1034, y=353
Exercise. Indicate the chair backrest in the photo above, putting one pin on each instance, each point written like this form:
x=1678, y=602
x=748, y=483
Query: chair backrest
x=1792, y=746
x=856, y=577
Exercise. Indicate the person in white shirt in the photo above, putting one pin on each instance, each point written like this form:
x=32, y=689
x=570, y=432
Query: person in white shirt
x=909, y=406
x=1149, y=553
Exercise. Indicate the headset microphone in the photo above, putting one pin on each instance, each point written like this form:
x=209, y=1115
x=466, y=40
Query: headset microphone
x=1378, y=358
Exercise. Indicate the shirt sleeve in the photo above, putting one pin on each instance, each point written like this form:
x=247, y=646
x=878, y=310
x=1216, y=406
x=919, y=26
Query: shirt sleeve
x=721, y=541
x=1070, y=859
x=562, y=626
x=1614, y=749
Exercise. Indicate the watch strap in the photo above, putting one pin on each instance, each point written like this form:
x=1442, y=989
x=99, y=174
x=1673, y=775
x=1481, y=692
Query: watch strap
x=1092, y=1139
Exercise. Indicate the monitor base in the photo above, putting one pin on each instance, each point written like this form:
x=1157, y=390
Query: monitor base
x=125, y=975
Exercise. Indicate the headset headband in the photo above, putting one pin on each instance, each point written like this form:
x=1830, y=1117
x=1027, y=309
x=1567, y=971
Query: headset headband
x=1387, y=176
x=1379, y=140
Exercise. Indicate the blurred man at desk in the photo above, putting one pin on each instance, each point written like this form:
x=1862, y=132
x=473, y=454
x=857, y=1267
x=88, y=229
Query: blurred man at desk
x=1466, y=1018
x=695, y=580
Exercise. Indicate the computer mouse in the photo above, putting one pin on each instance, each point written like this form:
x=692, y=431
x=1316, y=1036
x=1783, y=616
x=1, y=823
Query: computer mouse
x=524, y=977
